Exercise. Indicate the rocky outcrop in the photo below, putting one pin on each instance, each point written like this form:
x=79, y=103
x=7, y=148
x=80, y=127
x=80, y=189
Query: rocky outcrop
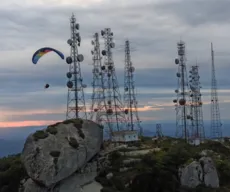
x=211, y=178
x=201, y=172
x=74, y=183
x=55, y=156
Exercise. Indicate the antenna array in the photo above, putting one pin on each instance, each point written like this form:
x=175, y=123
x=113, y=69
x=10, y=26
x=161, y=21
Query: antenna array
x=130, y=101
x=182, y=91
x=75, y=98
x=216, y=132
x=98, y=106
x=114, y=115
x=196, y=114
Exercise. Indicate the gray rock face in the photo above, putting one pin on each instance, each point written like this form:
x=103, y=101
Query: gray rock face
x=74, y=183
x=210, y=173
x=202, y=172
x=191, y=175
x=52, y=159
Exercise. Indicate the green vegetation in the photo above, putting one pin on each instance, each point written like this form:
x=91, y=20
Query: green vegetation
x=75, y=121
x=11, y=173
x=158, y=170
x=52, y=129
x=73, y=142
x=40, y=135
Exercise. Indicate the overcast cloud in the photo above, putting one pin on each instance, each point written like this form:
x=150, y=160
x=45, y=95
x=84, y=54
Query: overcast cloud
x=153, y=28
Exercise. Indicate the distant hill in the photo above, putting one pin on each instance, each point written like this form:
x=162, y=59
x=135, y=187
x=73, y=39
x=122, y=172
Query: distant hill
x=9, y=147
x=12, y=139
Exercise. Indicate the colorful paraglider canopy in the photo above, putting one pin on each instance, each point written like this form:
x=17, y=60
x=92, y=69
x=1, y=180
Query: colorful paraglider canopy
x=40, y=52
x=47, y=86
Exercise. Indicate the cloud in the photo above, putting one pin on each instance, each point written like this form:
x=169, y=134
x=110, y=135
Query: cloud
x=153, y=28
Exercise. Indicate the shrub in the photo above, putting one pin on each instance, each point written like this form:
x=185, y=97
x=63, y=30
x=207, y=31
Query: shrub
x=73, y=142
x=40, y=135
x=55, y=153
x=77, y=121
x=52, y=130
x=11, y=174
x=118, y=183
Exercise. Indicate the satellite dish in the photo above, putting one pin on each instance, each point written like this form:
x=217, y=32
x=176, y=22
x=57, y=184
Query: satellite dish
x=70, y=41
x=77, y=26
x=69, y=75
x=69, y=60
x=132, y=69
x=102, y=32
x=112, y=45
x=80, y=57
x=69, y=84
x=79, y=39
x=92, y=52
x=103, y=52
x=92, y=42
x=84, y=86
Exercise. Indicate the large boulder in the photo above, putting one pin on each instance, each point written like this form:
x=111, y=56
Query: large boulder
x=74, y=183
x=211, y=178
x=191, y=175
x=201, y=172
x=55, y=153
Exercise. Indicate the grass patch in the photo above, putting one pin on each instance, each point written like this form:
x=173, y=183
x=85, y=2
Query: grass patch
x=77, y=121
x=40, y=135
x=52, y=129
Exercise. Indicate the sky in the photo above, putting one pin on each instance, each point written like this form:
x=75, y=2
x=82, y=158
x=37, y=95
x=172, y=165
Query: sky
x=153, y=27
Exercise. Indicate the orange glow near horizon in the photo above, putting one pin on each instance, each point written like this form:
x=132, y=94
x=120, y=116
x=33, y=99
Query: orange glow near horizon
x=25, y=123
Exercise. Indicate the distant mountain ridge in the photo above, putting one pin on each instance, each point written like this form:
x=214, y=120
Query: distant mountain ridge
x=12, y=139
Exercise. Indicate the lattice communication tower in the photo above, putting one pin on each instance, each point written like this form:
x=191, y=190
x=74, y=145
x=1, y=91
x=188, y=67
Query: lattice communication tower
x=182, y=91
x=75, y=99
x=130, y=101
x=159, y=133
x=216, y=125
x=114, y=117
x=196, y=114
x=98, y=106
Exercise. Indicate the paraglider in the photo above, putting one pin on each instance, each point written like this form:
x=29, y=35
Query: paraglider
x=40, y=52
x=47, y=86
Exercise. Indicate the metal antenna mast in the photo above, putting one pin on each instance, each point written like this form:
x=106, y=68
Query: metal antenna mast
x=159, y=133
x=196, y=114
x=182, y=101
x=130, y=101
x=216, y=132
x=76, y=99
x=98, y=96
x=115, y=115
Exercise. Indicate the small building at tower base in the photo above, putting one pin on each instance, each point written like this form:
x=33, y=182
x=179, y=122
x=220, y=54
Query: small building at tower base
x=125, y=136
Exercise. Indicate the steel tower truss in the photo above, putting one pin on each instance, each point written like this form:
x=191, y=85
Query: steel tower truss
x=216, y=132
x=75, y=101
x=130, y=102
x=114, y=115
x=182, y=102
x=196, y=114
x=159, y=133
x=98, y=96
